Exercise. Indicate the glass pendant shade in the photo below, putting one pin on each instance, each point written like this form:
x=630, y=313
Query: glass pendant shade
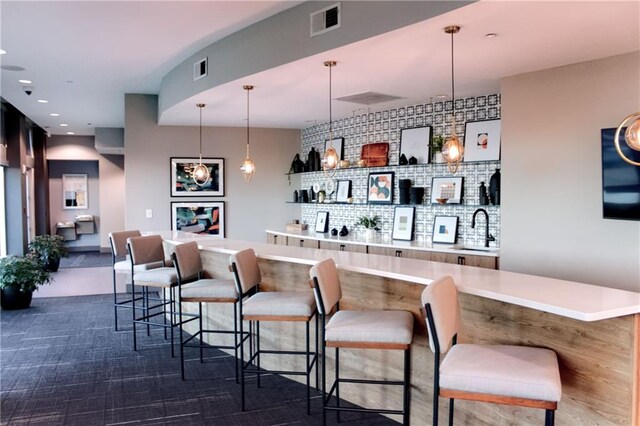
x=200, y=172
x=330, y=158
x=631, y=136
x=248, y=168
x=452, y=152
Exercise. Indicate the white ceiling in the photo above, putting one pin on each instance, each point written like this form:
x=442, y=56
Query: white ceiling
x=104, y=50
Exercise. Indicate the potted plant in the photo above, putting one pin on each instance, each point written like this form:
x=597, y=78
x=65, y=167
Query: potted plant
x=436, y=148
x=370, y=224
x=48, y=249
x=19, y=276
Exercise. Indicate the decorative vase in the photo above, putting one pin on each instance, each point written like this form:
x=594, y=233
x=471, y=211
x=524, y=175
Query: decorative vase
x=344, y=231
x=437, y=157
x=370, y=233
x=494, y=188
x=12, y=298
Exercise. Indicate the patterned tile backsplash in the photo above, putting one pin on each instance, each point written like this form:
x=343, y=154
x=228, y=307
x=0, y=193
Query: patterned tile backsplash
x=385, y=126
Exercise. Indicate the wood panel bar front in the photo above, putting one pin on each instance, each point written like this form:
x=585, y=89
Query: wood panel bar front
x=598, y=360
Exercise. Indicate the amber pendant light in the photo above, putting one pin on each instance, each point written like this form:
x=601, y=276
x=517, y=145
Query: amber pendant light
x=200, y=173
x=631, y=136
x=248, y=168
x=330, y=158
x=452, y=150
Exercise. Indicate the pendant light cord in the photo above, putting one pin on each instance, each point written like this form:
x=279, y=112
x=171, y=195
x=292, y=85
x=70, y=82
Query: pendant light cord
x=330, y=111
x=453, y=92
x=200, y=135
x=248, y=122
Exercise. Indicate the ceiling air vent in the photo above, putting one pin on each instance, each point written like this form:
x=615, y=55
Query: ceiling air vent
x=327, y=19
x=200, y=69
x=368, y=98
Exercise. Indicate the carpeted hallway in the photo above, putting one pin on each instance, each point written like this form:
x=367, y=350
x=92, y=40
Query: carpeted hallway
x=61, y=363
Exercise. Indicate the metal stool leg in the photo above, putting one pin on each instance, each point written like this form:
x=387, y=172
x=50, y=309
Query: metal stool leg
x=338, y=383
x=258, y=349
x=549, y=419
x=235, y=337
x=308, y=357
x=200, y=325
x=406, y=388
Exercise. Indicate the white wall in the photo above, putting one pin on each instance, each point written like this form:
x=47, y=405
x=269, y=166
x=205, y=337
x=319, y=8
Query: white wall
x=111, y=182
x=249, y=208
x=552, y=221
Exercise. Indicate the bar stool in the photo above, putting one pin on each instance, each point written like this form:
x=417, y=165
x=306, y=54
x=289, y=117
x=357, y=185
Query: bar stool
x=500, y=374
x=193, y=288
x=145, y=250
x=391, y=330
x=293, y=306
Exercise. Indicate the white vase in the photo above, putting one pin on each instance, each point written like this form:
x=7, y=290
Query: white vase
x=437, y=158
x=370, y=233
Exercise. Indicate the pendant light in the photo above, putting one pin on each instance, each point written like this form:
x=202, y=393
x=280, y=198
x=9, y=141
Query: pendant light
x=330, y=158
x=200, y=172
x=631, y=136
x=452, y=150
x=248, y=168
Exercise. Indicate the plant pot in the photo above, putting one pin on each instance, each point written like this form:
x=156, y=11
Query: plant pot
x=437, y=157
x=370, y=233
x=52, y=265
x=12, y=298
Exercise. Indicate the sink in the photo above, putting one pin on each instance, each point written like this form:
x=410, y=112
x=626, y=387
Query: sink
x=475, y=248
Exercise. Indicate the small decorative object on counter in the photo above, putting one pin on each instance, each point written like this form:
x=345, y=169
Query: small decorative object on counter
x=404, y=189
x=321, y=195
x=417, y=194
x=403, y=160
x=311, y=159
x=318, y=161
x=362, y=163
x=484, y=198
x=312, y=194
x=494, y=188
x=436, y=148
x=413, y=161
x=345, y=164
x=334, y=232
x=344, y=231
x=304, y=197
x=297, y=165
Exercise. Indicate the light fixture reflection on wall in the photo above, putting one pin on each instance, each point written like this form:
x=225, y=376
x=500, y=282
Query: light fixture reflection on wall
x=452, y=150
x=631, y=136
x=330, y=158
x=200, y=172
x=248, y=168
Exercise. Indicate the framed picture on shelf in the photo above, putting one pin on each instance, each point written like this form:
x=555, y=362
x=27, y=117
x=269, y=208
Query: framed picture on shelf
x=380, y=188
x=446, y=190
x=198, y=218
x=445, y=229
x=482, y=140
x=183, y=185
x=344, y=191
x=415, y=142
x=322, y=222
x=75, y=191
x=403, y=223
x=338, y=145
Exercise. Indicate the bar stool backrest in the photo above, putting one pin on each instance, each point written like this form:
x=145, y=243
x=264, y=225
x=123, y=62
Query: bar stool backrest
x=118, y=241
x=147, y=249
x=248, y=272
x=328, y=289
x=442, y=297
x=188, y=261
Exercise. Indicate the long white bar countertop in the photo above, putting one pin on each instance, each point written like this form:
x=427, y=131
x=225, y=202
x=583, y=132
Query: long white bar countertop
x=584, y=302
x=380, y=241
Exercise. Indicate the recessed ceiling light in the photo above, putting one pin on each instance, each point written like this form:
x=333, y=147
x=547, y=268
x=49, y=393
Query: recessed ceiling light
x=70, y=133
x=43, y=101
x=25, y=81
x=2, y=51
x=64, y=125
x=491, y=35
x=54, y=114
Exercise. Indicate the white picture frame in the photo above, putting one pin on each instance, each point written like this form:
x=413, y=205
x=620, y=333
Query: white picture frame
x=344, y=191
x=445, y=229
x=403, y=223
x=75, y=191
x=449, y=188
x=322, y=222
x=416, y=142
x=482, y=140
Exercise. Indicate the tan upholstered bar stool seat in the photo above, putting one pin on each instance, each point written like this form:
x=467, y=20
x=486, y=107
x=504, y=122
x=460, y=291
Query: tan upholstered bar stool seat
x=503, y=374
x=280, y=304
x=382, y=328
x=157, y=277
x=210, y=290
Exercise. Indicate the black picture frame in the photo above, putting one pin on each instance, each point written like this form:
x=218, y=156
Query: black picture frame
x=445, y=229
x=182, y=184
x=380, y=188
x=416, y=142
x=322, y=222
x=343, y=191
x=403, y=223
x=198, y=217
x=338, y=145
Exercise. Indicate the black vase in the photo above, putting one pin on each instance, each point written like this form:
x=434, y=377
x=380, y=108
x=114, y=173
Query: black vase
x=344, y=231
x=311, y=159
x=52, y=265
x=12, y=298
x=483, y=197
x=494, y=188
x=403, y=160
x=318, y=161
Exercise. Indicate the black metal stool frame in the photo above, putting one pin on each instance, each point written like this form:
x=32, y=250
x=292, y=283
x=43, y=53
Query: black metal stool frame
x=405, y=383
x=118, y=304
x=246, y=368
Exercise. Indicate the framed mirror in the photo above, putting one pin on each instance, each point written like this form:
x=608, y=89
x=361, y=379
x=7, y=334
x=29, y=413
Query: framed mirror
x=75, y=191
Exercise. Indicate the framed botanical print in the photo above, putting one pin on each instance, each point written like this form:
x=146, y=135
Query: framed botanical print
x=183, y=183
x=403, y=223
x=380, y=188
x=198, y=218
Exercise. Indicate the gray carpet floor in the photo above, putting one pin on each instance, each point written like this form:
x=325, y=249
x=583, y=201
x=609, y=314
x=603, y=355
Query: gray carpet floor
x=86, y=259
x=62, y=363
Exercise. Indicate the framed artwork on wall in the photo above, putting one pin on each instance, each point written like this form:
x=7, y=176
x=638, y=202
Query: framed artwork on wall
x=415, y=143
x=482, y=140
x=183, y=185
x=198, y=217
x=338, y=145
x=380, y=188
x=75, y=191
x=446, y=190
x=322, y=222
x=445, y=229
x=403, y=223
x=344, y=191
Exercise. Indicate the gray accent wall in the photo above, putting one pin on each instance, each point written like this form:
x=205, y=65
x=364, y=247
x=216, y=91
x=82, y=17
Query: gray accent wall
x=552, y=221
x=250, y=208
